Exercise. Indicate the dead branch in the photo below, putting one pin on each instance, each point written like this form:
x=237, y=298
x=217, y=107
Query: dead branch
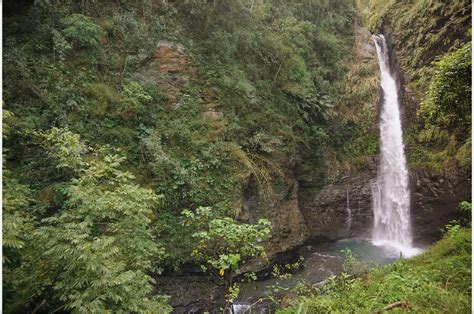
x=403, y=303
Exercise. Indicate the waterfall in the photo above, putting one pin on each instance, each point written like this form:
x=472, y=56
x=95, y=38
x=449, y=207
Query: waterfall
x=391, y=194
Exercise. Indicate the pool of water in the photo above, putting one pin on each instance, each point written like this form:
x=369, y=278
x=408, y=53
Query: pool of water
x=321, y=261
x=364, y=250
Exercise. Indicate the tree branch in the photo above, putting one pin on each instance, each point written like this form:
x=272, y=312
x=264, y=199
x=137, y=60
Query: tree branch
x=278, y=72
x=403, y=303
x=39, y=306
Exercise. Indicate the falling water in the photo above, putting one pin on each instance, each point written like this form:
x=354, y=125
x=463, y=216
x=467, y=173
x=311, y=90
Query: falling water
x=238, y=308
x=391, y=195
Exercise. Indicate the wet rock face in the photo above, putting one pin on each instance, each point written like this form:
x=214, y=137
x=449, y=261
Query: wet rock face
x=326, y=212
x=434, y=203
x=435, y=200
x=191, y=294
x=281, y=209
x=363, y=45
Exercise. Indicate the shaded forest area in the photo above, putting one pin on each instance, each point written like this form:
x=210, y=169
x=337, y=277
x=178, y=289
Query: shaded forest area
x=132, y=131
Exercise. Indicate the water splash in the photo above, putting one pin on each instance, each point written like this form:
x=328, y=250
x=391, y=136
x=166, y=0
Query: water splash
x=249, y=308
x=391, y=194
x=238, y=308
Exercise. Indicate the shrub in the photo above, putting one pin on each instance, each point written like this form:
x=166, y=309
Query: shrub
x=448, y=102
x=223, y=243
x=82, y=31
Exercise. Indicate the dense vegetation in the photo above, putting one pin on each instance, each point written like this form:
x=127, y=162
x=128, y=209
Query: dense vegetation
x=433, y=46
x=131, y=130
x=117, y=117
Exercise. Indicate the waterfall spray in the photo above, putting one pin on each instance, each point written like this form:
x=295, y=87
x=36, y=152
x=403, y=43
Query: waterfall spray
x=391, y=194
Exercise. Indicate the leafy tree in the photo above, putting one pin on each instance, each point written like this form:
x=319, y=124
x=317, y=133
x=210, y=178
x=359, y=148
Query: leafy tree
x=223, y=243
x=17, y=222
x=82, y=31
x=95, y=254
x=16, y=198
x=64, y=147
x=136, y=98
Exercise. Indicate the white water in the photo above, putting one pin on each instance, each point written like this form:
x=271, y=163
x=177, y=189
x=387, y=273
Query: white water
x=391, y=194
x=239, y=308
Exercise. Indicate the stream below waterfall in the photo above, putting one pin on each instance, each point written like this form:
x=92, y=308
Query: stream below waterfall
x=321, y=261
x=195, y=292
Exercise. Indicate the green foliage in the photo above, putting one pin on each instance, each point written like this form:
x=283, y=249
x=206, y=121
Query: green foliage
x=249, y=277
x=97, y=72
x=60, y=45
x=16, y=198
x=82, y=31
x=272, y=292
x=98, y=249
x=263, y=143
x=351, y=265
x=371, y=11
x=316, y=107
x=63, y=146
x=136, y=98
x=302, y=289
x=279, y=71
x=338, y=284
x=448, y=102
x=223, y=243
x=233, y=293
x=427, y=28
x=86, y=235
x=17, y=225
x=356, y=136
x=446, y=111
x=185, y=165
x=466, y=206
x=17, y=221
x=284, y=271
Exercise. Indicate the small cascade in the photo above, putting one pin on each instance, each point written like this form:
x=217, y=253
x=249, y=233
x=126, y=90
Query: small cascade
x=349, y=213
x=391, y=194
x=239, y=308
